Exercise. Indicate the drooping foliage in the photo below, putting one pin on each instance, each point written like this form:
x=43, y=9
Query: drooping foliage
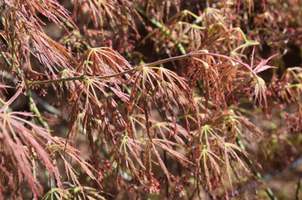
x=164, y=95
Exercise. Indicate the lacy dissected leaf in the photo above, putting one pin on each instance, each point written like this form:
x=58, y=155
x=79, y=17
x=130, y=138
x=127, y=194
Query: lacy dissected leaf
x=260, y=90
x=96, y=113
x=118, y=17
x=75, y=192
x=102, y=12
x=155, y=8
x=104, y=61
x=289, y=87
x=167, y=146
x=28, y=37
x=19, y=145
x=176, y=32
x=218, y=78
x=217, y=154
x=96, y=98
x=165, y=90
x=233, y=125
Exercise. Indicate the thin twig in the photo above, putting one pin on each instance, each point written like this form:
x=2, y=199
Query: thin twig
x=192, y=196
x=270, y=176
x=207, y=191
x=256, y=171
x=298, y=187
x=286, y=37
x=166, y=163
x=49, y=108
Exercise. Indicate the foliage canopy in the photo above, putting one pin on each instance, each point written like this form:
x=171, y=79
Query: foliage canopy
x=166, y=94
